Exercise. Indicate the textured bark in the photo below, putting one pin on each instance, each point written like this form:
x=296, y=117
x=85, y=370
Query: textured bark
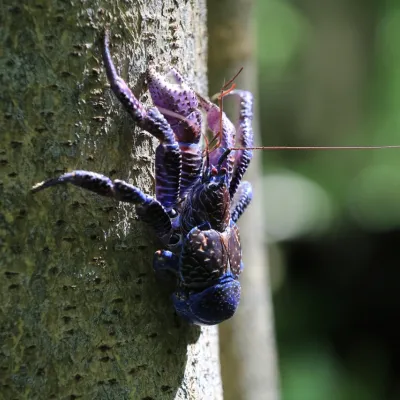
x=248, y=353
x=81, y=315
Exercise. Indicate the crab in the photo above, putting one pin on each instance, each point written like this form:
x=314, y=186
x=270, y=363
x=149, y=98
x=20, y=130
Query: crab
x=198, y=199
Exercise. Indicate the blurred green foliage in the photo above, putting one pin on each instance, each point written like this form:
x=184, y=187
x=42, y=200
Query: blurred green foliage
x=329, y=74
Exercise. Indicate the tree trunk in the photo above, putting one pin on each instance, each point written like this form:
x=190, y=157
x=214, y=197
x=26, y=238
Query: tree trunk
x=81, y=315
x=248, y=353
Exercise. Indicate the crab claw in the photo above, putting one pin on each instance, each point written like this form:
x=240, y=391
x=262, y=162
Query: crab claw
x=178, y=103
x=171, y=93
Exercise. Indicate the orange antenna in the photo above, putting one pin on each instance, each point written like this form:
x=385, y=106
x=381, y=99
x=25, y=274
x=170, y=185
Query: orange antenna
x=224, y=91
x=231, y=80
x=220, y=97
x=278, y=148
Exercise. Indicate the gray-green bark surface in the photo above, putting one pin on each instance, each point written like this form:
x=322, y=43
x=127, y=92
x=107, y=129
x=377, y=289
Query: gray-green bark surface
x=81, y=314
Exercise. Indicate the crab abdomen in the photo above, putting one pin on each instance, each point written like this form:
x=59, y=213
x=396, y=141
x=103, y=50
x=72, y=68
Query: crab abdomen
x=209, y=255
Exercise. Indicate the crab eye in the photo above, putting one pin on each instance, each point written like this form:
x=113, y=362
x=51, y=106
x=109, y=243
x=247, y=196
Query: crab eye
x=214, y=171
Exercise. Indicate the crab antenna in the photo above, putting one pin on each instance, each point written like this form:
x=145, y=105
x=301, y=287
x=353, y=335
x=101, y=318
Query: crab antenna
x=219, y=96
x=221, y=110
x=277, y=148
x=232, y=80
x=224, y=91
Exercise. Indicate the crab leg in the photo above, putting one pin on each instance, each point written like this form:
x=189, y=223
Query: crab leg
x=166, y=266
x=149, y=209
x=168, y=154
x=241, y=200
x=244, y=138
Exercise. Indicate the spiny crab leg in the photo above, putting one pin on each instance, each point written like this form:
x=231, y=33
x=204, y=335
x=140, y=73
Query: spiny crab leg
x=244, y=138
x=149, y=209
x=168, y=154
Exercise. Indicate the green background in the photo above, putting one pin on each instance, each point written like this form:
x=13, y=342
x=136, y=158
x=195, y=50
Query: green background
x=329, y=75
